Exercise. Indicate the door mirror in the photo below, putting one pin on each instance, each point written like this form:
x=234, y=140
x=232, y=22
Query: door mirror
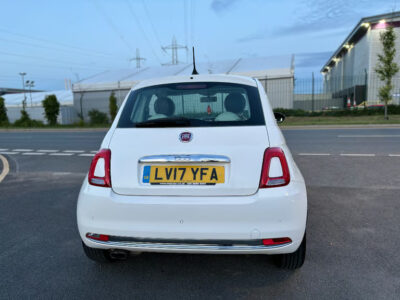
x=279, y=117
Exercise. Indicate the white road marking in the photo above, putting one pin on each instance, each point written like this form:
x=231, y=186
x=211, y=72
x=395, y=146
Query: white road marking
x=61, y=154
x=394, y=155
x=368, y=136
x=61, y=173
x=33, y=153
x=6, y=168
x=48, y=151
x=8, y=153
x=357, y=154
x=86, y=154
x=73, y=151
x=3, y=149
x=22, y=150
x=315, y=154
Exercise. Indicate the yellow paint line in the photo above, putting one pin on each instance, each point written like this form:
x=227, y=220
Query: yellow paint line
x=6, y=168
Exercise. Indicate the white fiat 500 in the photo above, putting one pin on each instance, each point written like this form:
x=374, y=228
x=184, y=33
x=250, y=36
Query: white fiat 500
x=194, y=164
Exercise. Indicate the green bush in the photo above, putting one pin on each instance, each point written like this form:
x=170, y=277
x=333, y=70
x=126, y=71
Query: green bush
x=51, y=109
x=26, y=121
x=98, y=117
x=80, y=123
x=113, y=106
x=394, y=109
x=3, y=113
x=291, y=112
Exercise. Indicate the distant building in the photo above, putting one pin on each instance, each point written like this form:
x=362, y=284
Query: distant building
x=350, y=72
x=275, y=73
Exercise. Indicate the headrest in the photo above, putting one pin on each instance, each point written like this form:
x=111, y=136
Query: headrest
x=165, y=106
x=235, y=102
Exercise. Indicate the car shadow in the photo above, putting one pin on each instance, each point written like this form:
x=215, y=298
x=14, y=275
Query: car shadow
x=182, y=274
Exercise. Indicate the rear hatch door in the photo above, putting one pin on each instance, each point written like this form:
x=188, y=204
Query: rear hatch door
x=154, y=161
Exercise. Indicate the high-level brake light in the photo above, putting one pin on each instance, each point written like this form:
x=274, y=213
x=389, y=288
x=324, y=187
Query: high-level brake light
x=275, y=170
x=99, y=172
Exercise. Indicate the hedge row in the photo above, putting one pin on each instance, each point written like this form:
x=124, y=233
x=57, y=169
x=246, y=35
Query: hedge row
x=392, y=110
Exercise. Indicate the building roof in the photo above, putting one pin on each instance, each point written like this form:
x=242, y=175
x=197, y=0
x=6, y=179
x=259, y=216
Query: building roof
x=259, y=67
x=13, y=91
x=15, y=100
x=356, y=34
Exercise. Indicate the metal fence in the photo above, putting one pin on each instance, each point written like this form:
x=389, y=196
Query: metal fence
x=67, y=114
x=312, y=93
x=327, y=93
x=309, y=95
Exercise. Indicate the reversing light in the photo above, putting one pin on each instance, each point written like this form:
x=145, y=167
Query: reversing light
x=275, y=170
x=99, y=172
x=97, y=237
x=276, y=241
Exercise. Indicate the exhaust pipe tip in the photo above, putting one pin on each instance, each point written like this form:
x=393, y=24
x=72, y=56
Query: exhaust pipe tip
x=117, y=254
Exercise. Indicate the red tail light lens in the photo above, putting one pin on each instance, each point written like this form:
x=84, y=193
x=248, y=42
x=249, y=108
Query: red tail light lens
x=275, y=172
x=276, y=241
x=97, y=237
x=99, y=173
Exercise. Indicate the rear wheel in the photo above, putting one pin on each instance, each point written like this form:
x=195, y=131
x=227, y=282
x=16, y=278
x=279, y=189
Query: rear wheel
x=293, y=260
x=97, y=255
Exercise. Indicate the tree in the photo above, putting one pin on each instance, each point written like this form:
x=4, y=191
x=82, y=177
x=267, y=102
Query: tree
x=113, y=106
x=3, y=113
x=26, y=121
x=386, y=67
x=51, y=109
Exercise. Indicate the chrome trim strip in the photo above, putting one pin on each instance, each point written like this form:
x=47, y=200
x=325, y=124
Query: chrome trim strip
x=159, y=246
x=186, y=158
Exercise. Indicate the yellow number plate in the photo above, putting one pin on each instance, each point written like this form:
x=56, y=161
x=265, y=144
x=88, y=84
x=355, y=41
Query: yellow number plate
x=183, y=174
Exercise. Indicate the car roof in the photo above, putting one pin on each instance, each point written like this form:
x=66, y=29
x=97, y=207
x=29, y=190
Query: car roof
x=197, y=78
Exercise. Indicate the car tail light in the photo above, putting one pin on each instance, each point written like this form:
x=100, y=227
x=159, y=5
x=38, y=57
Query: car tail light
x=276, y=241
x=275, y=170
x=97, y=237
x=99, y=172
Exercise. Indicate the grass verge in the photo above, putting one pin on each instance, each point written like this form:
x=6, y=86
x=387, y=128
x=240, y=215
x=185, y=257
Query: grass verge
x=343, y=120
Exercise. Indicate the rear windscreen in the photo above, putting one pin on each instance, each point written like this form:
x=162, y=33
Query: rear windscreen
x=193, y=105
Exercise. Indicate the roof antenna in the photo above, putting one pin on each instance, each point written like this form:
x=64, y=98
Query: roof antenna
x=194, y=72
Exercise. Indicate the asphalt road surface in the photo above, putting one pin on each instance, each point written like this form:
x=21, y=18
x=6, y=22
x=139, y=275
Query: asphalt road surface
x=353, y=185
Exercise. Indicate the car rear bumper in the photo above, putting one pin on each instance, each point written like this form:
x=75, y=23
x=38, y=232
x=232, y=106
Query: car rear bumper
x=183, y=246
x=211, y=224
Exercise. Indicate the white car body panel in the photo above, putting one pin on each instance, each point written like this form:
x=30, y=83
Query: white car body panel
x=235, y=210
x=244, y=146
x=268, y=213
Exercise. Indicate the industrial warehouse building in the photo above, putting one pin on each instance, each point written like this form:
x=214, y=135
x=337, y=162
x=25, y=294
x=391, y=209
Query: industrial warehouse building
x=34, y=108
x=275, y=73
x=350, y=72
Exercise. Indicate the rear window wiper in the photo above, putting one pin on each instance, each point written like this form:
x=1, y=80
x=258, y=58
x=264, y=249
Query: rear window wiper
x=166, y=122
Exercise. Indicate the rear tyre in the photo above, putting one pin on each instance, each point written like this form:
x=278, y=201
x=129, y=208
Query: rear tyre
x=293, y=260
x=97, y=255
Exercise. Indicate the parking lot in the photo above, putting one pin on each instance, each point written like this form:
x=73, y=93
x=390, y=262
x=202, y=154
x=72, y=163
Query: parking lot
x=353, y=186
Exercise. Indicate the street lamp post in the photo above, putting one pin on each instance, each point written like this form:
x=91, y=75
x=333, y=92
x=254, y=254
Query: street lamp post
x=30, y=84
x=23, y=87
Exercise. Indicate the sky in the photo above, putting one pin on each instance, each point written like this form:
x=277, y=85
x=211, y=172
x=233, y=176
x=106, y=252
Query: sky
x=56, y=40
